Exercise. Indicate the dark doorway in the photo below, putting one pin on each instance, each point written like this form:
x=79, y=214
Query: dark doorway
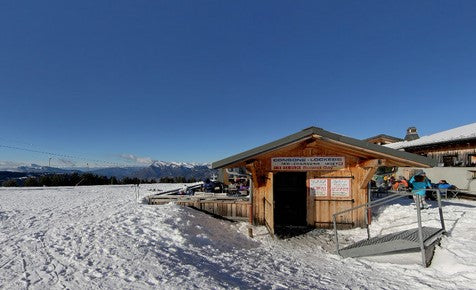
x=290, y=210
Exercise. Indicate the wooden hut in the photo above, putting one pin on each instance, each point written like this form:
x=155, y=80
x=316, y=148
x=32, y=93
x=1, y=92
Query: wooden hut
x=304, y=178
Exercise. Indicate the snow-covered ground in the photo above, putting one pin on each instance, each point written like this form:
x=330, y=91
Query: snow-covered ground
x=102, y=237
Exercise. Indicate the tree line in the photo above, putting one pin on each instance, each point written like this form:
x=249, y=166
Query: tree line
x=86, y=179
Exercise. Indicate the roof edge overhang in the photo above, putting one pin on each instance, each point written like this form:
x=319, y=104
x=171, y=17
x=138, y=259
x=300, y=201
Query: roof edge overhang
x=314, y=132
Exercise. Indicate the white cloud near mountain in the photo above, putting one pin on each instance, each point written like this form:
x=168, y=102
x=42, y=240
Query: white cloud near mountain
x=8, y=165
x=137, y=159
x=66, y=162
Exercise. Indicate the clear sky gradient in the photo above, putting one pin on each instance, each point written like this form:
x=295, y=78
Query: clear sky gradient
x=198, y=81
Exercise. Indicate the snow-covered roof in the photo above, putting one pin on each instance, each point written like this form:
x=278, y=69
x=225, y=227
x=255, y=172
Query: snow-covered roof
x=459, y=133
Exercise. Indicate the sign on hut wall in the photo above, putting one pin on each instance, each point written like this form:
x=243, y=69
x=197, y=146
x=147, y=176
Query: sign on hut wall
x=318, y=186
x=340, y=187
x=330, y=187
x=307, y=163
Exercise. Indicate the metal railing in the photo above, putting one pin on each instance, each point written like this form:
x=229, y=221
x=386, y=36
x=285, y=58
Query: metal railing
x=396, y=195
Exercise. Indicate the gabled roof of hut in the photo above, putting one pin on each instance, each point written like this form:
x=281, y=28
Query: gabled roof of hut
x=359, y=148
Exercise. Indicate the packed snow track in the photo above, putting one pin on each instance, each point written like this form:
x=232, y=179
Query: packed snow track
x=103, y=237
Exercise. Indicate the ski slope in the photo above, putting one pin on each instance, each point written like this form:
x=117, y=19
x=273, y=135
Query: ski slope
x=102, y=237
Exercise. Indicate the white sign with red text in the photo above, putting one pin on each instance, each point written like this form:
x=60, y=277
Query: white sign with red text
x=340, y=187
x=318, y=186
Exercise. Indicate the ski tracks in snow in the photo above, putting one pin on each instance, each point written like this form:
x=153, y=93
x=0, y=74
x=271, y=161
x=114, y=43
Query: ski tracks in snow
x=46, y=235
x=101, y=238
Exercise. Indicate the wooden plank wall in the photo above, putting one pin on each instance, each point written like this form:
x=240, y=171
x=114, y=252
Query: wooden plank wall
x=320, y=214
x=461, y=150
x=235, y=210
x=462, y=155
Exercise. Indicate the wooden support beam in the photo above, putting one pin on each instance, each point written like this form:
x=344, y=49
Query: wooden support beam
x=368, y=175
x=251, y=167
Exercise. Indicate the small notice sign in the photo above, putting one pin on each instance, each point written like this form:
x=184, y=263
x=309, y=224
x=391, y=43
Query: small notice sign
x=318, y=186
x=307, y=163
x=340, y=187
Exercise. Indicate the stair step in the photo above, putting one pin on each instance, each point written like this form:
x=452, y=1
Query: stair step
x=404, y=241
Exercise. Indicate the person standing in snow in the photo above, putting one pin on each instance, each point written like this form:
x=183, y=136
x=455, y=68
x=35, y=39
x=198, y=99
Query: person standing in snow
x=419, y=185
x=426, y=180
x=421, y=173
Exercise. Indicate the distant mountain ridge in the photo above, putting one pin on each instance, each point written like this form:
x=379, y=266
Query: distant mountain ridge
x=179, y=164
x=118, y=172
x=160, y=169
x=35, y=168
x=156, y=170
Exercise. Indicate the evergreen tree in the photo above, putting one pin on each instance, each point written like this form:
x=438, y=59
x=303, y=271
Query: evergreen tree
x=59, y=180
x=31, y=182
x=166, y=180
x=128, y=180
x=10, y=183
x=88, y=179
x=74, y=178
x=45, y=180
x=180, y=179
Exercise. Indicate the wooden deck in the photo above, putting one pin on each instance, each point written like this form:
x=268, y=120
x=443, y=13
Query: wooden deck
x=234, y=208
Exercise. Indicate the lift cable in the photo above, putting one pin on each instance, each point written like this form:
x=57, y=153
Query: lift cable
x=64, y=155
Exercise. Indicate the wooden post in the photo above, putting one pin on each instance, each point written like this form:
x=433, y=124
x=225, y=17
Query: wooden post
x=250, y=212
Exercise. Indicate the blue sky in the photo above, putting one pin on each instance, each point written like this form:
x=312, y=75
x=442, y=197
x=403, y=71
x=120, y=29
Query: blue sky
x=198, y=81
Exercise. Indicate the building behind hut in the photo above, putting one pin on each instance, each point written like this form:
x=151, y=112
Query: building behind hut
x=383, y=139
x=454, y=150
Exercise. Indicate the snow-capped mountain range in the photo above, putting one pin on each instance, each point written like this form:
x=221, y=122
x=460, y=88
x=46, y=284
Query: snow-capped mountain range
x=178, y=164
x=155, y=170
x=171, y=169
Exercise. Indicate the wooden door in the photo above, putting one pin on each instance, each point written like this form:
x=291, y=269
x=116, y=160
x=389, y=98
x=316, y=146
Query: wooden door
x=269, y=204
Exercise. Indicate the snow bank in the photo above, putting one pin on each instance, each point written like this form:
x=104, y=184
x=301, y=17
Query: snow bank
x=102, y=237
